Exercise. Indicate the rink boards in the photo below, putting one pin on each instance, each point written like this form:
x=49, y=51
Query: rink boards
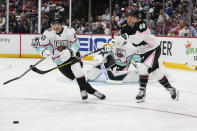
x=176, y=51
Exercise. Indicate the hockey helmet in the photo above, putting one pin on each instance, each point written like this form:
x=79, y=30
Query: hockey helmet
x=57, y=19
x=135, y=13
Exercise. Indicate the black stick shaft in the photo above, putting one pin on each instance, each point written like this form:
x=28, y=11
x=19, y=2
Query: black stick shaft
x=67, y=63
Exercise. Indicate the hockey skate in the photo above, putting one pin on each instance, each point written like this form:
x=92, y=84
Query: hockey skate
x=84, y=95
x=99, y=95
x=174, y=93
x=141, y=95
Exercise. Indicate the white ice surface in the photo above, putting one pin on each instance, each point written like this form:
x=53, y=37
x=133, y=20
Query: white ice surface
x=44, y=103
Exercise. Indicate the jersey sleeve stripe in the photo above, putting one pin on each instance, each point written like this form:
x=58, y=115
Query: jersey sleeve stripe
x=73, y=41
x=56, y=57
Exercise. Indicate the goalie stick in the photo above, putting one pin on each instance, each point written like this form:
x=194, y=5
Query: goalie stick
x=32, y=66
x=107, y=79
x=190, y=66
x=67, y=63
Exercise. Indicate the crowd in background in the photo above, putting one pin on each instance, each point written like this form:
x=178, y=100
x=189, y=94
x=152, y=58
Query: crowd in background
x=172, y=21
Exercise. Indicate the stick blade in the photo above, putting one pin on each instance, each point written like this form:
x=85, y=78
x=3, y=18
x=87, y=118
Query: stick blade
x=40, y=71
x=11, y=80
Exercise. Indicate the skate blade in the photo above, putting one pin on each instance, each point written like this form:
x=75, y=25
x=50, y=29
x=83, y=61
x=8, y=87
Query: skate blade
x=177, y=96
x=140, y=101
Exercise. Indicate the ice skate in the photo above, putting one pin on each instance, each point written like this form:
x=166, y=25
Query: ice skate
x=141, y=95
x=99, y=95
x=84, y=95
x=174, y=93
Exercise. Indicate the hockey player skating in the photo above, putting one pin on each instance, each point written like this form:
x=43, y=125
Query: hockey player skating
x=117, y=64
x=138, y=36
x=61, y=43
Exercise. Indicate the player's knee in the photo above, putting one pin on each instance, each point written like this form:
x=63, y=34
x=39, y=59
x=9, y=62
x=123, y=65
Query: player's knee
x=142, y=68
x=77, y=70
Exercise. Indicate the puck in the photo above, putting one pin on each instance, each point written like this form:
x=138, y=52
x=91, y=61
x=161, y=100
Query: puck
x=15, y=122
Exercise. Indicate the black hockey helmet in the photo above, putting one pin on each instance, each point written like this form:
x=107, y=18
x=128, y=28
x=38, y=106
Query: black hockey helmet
x=57, y=19
x=135, y=13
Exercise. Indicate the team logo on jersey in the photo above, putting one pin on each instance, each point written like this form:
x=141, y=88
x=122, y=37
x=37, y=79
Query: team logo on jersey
x=58, y=43
x=120, y=53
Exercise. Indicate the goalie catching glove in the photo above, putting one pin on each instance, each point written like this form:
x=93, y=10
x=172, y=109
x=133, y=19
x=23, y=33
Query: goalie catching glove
x=107, y=47
x=119, y=41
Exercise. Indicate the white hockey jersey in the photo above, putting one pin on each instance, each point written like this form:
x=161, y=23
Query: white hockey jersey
x=50, y=40
x=123, y=54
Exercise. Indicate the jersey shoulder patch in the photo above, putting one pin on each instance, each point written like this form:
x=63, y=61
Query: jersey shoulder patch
x=141, y=26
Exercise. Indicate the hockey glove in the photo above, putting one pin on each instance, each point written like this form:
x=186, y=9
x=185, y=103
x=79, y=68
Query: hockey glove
x=121, y=39
x=35, y=42
x=65, y=55
x=107, y=47
x=46, y=53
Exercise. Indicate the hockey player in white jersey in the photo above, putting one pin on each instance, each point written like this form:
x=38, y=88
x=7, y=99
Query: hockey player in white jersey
x=117, y=64
x=139, y=38
x=61, y=43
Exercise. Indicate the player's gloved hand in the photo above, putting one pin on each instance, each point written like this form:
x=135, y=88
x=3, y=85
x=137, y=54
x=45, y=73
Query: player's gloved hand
x=65, y=55
x=107, y=47
x=46, y=53
x=35, y=42
x=121, y=39
x=98, y=59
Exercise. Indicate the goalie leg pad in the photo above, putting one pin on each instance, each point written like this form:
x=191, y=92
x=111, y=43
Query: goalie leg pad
x=93, y=73
x=132, y=76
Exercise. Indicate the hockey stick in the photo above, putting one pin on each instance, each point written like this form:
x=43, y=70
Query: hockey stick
x=104, y=71
x=24, y=72
x=107, y=79
x=67, y=63
x=190, y=66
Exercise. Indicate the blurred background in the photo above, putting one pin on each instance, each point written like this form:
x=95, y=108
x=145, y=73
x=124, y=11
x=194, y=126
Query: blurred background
x=164, y=17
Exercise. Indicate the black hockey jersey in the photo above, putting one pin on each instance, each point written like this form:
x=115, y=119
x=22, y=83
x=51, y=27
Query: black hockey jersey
x=140, y=37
